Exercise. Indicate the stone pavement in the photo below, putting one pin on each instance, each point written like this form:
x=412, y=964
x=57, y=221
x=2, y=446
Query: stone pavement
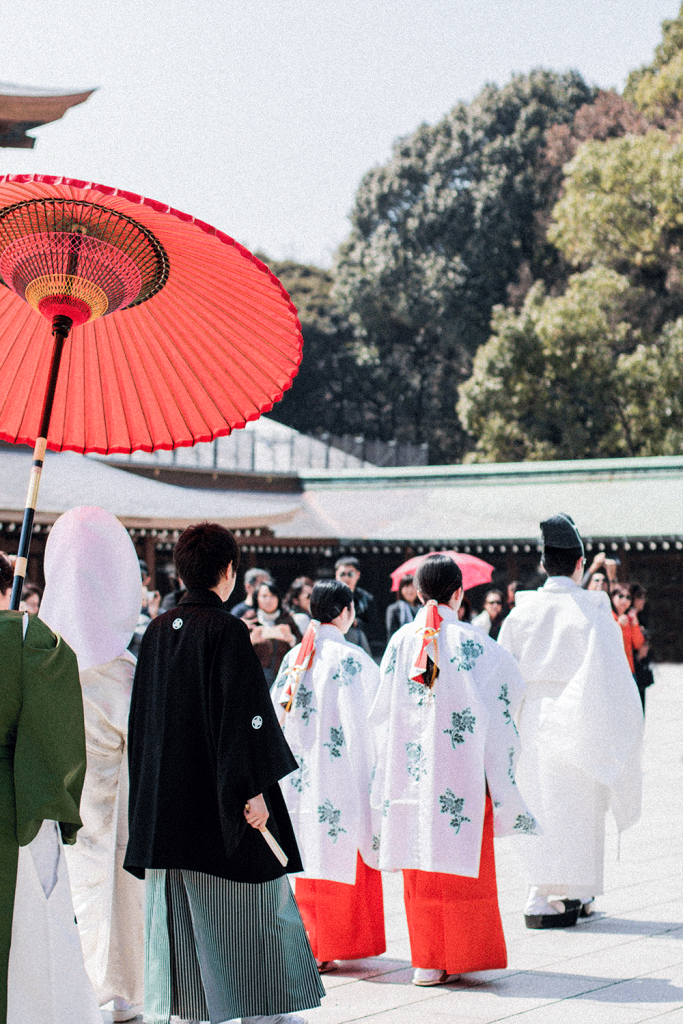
x=624, y=965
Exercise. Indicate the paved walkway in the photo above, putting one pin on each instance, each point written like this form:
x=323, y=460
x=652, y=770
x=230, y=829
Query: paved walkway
x=624, y=965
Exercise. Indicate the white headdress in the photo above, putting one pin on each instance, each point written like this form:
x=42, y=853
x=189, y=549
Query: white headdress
x=92, y=584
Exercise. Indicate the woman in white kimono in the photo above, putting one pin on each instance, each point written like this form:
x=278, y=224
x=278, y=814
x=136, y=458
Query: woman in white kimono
x=42, y=765
x=445, y=781
x=323, y=693
x=92, y=598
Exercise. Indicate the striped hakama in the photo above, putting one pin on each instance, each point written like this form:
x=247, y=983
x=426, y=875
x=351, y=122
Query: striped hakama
x=216, y=949
x=344, y=922
x=454, y=922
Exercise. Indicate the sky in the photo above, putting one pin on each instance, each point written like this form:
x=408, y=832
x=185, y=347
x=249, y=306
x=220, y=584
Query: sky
x=261, y=117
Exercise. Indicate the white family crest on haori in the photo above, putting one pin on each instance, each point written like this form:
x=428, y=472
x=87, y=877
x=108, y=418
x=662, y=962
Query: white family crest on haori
x=328, y=798
x=438, y=747
x=581, y=727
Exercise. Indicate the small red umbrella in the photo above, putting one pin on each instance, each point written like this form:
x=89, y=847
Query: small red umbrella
x=179, y=334
x=474, y=570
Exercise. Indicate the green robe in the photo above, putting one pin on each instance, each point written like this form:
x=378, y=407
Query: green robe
x=42, y=752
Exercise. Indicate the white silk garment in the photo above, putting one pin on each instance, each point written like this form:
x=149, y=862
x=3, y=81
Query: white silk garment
x=438, y=749
x=328, y=798
x=92, y=597
x=46, y=979
x=581, y=726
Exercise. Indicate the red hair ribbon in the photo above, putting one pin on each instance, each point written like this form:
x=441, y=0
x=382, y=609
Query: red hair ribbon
x=303, y=662
x=428, y=634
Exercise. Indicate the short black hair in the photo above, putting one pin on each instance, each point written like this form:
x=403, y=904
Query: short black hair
x=329, y=598
x=348, y=560
x=438, y=578
x=203, y=553
x=6, y=573
x=561, y=561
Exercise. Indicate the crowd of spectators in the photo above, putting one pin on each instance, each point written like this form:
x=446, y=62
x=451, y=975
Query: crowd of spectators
x=277, y=621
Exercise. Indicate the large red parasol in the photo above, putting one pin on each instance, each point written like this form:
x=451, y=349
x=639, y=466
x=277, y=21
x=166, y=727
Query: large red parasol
x=474, y=570
x=179, y=334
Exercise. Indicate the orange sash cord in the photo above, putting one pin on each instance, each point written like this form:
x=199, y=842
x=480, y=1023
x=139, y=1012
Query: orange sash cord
x=429, y=634
x=303, y=662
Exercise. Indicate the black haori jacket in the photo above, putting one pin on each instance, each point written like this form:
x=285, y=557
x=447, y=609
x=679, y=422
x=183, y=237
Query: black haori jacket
x=203, y=738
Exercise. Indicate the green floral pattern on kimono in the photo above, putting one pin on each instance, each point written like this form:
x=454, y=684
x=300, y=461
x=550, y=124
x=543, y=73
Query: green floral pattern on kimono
x=328, y=813
x=304, y=700
x=420, y=691
x=453, y=805
x=466, y=655
x=348, y=670
x=503, y=696
x=301, y=780
x=416, y=761
x=391, y=663
x=511, y=765
x=336, y=741
x=525, y=823
x=461, y=722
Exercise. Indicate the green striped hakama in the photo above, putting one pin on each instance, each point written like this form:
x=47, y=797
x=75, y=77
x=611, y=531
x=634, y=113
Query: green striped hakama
x=216, y=950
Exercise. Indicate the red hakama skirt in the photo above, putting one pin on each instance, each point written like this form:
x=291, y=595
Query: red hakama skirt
x=344, y=922
x=454, y=922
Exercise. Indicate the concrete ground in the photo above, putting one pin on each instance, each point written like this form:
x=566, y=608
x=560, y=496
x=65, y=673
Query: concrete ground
x=623, y=965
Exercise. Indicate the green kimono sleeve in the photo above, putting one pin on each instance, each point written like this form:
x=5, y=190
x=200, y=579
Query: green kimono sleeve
x=49, y=757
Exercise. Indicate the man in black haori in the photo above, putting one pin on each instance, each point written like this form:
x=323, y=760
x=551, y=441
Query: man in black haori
x=224, y=938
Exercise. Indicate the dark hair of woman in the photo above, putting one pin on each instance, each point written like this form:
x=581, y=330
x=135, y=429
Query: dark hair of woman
x=203, y=553
x=637, y=591
x=272, y=589
x=297, y=585
x=329, y=599
x=6, y=573
x=405, y=581
x=438, y=578
x=619, y=590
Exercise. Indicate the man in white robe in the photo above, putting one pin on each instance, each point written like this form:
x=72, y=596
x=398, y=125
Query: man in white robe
x=580, y=725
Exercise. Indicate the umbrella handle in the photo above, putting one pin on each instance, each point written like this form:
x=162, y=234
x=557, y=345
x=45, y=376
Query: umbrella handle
x=61, y=325
x=273, y=843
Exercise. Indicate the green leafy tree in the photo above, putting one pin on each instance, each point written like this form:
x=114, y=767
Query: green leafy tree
x=652, y=392
x=331, y=393
x=548, y=383
x=657, y=89
x=439, y=234
x=623, y=207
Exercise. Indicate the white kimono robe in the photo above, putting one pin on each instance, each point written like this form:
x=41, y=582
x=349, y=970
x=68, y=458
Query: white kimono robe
x=46, y=980
x=328, y=798
x=438, y=749
x=92, y=597
x=109, y=902
x=580, y=725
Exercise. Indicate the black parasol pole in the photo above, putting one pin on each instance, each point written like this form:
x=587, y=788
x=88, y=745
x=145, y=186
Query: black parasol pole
x=61, y=325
